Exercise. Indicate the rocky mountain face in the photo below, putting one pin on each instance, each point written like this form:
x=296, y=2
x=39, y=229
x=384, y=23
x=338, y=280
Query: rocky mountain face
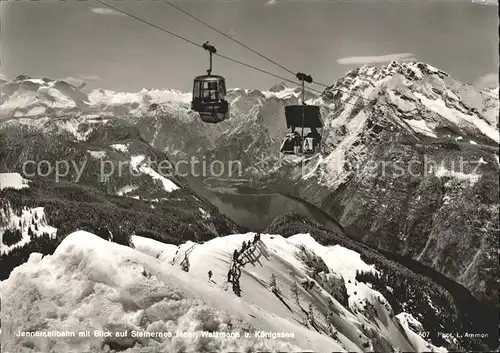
x=408, y=162
x=420, y=290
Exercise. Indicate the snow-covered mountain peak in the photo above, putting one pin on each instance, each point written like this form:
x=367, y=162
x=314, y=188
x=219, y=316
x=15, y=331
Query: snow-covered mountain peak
x=368, y=77
x=410, y=69
x=491, y=92
x=416, y=92
x=278, y=87
x=26, y=96
x=137, y=103
x=109, y=97
x=31, y=97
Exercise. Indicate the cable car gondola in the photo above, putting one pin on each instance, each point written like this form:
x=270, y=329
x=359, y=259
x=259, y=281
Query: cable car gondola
x=209, y=94
x=302, y=116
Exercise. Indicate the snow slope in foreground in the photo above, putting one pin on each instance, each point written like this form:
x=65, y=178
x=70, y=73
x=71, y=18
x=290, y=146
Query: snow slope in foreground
x=92, y=284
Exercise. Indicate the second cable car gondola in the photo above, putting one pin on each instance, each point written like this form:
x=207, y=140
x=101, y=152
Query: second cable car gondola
x=304, y=117
x=209, y=94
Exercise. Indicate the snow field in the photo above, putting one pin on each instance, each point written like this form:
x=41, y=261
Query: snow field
x=92, y=284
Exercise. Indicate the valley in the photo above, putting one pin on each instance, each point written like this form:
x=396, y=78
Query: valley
x=255, y=209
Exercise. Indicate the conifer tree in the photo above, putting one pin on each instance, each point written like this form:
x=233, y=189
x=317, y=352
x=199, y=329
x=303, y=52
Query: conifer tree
x=310, y=313
x=295, y=293
x=272, y=283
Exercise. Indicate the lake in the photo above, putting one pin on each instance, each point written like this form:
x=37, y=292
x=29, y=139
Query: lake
x=254, y=209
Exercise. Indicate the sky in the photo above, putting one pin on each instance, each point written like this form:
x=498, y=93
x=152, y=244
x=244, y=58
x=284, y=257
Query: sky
x=324, y=38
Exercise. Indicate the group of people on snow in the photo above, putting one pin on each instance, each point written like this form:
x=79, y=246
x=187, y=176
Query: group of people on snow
x=244, y=247
x=236, y=255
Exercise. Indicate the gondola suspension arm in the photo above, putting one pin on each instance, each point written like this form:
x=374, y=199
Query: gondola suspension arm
x=303, y=77
x=307, y=78
x=211, y=49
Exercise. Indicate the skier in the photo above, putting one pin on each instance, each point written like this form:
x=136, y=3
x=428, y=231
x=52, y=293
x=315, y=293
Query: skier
x=185, y=265
x=235, y=255
x=209, y=275
x=244, y=246
x=173, y=259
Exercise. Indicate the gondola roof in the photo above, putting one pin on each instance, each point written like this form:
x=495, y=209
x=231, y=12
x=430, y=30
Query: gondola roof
x=312, y=116
x=209, y=78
